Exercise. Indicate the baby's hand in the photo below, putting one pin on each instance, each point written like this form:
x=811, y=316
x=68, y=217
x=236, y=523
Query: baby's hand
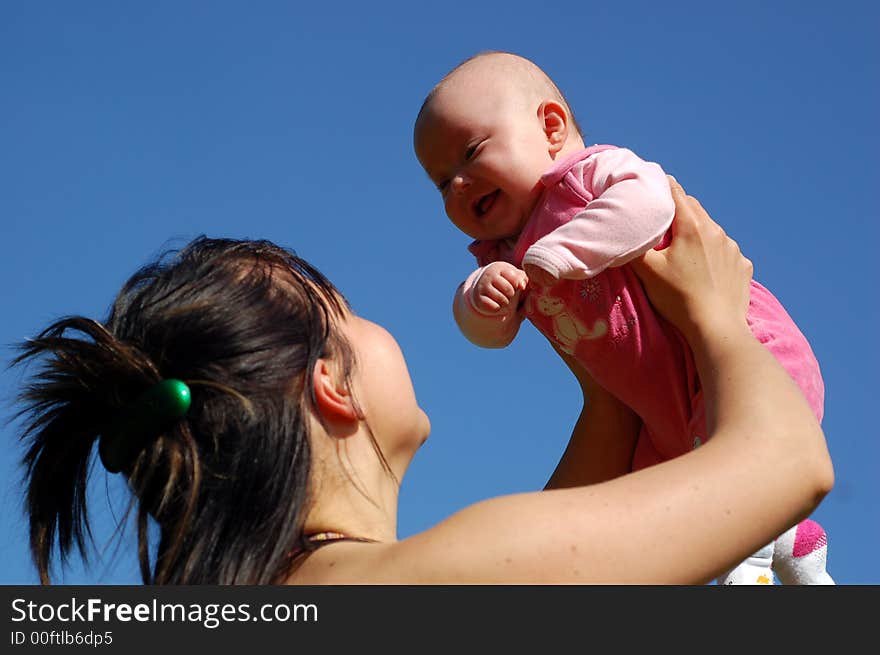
x=538, y=276
x=497, y=287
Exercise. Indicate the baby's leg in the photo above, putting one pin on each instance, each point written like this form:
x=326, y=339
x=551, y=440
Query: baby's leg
x=800, y=555
x=754, y=570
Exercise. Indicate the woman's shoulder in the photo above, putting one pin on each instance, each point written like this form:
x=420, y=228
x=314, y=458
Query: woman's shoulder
x=344, y=563
x=508, y=539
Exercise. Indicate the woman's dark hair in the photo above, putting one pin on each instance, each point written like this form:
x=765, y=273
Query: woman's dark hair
x=243, y=324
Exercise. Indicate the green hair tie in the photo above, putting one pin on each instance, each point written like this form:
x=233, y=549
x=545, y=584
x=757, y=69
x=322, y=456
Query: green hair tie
x=154, y=412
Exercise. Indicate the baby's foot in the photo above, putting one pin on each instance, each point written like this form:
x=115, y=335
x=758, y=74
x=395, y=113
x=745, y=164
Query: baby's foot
x=801, y=555
x=753, y=571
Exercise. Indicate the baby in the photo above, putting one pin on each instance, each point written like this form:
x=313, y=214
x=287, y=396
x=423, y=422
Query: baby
x=555, y=224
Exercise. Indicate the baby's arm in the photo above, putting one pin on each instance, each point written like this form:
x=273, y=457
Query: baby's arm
x=603, y=440
x=630, y=212
x=486, y=305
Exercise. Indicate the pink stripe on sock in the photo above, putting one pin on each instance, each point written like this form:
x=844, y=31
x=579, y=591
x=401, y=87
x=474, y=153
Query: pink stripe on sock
x=810, y=537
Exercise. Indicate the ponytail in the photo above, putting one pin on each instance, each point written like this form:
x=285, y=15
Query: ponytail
x=82, y=384
x=241, y=323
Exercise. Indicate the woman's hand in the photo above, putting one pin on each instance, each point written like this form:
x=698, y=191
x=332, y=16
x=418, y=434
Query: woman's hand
x=764, y=467
x=701, y=281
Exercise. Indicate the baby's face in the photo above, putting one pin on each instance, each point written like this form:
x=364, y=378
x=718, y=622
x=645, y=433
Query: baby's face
x=486, y=150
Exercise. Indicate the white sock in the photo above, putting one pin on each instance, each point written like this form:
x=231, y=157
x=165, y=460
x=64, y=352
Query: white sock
x=800, y=555
x=754, y=570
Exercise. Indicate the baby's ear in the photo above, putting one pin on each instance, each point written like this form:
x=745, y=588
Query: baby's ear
x=554, y=120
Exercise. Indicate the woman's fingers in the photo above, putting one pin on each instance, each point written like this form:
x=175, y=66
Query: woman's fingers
x=679, y=197
x=701, y=276
x=652, y=262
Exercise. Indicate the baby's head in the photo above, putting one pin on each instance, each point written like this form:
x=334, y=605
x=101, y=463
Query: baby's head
x=485, y=135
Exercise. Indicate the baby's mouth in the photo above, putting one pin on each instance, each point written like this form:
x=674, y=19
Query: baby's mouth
x=485, y=203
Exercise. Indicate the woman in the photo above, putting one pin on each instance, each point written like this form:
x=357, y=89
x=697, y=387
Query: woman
x=286, y=466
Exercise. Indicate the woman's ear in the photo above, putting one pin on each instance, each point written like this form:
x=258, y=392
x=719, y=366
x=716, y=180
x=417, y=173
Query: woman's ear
x=332, y=395
x=554, y=120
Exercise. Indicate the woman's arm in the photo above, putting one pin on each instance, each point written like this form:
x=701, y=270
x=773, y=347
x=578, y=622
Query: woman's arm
x=683, y=521
x=603, y=440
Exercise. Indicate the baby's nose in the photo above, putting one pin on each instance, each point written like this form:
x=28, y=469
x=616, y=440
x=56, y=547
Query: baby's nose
x=460, y=183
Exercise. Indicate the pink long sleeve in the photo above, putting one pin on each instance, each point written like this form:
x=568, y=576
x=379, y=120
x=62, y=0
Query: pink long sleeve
x=600, y=207
x=627, y=210
x=484, y=330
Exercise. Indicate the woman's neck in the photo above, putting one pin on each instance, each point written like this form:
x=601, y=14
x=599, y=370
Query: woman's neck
x=352, y=492
x=359, y=517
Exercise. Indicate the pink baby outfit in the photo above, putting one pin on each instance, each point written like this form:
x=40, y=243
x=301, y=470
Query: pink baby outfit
x=601, y=208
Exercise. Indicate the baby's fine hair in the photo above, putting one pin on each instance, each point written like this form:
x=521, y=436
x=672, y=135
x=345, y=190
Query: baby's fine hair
x=539, y=76
x=242, y=323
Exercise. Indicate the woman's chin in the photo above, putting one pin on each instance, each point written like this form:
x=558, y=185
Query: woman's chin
x=426, y=429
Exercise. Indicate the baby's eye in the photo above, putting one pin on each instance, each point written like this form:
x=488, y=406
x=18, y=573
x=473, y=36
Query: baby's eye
x=471, y=151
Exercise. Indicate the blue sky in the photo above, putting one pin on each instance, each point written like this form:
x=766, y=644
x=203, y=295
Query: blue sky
x=126, y=127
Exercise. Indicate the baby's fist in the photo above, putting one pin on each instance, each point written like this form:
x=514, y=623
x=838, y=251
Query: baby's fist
x=539, y=277
x=498, y=286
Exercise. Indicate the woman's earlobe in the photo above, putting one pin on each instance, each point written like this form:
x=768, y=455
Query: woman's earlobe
x=332, y=394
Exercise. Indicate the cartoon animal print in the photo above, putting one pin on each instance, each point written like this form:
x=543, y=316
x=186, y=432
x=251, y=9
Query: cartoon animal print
x=567, y=329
